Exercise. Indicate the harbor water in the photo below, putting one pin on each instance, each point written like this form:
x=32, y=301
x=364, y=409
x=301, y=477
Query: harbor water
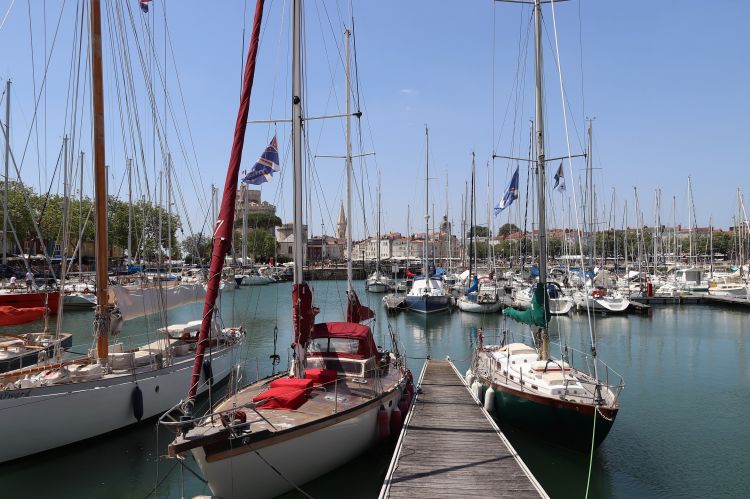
x=681, y=430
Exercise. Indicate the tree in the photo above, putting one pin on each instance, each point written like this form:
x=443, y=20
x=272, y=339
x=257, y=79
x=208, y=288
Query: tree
x=261, y=220
x=508, y=228
x=197, y=248
x=478, y=231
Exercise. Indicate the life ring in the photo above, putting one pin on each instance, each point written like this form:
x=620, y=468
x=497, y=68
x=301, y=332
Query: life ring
x=86, y=291
x=597, y=293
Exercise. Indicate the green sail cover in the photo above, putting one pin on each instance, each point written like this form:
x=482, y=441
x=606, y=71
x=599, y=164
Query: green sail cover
x=535, y=315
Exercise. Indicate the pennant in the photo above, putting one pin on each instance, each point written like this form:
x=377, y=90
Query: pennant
x=560, y=179
x=144, y=5
x=511, y=194
x=262, y=170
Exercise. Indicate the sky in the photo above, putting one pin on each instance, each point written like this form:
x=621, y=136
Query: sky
x=666, y=83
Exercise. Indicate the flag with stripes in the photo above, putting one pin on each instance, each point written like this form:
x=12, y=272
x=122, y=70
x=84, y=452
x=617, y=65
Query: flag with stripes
x=511, y=194
x=262, y=170
x=144, y=4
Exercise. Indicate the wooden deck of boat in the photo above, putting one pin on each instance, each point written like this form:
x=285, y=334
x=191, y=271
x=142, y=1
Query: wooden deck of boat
x=450, y=447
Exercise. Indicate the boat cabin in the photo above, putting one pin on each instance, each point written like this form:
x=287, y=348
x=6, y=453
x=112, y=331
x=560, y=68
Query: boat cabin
x=345, y=347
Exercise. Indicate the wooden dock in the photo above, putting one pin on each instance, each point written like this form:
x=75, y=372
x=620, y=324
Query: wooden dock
x=450, y=446
x=694, y=299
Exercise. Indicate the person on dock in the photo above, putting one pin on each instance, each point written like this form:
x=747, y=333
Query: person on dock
x=29, y=280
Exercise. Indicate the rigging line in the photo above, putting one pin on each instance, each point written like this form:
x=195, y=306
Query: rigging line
x=589, y=312
x=7, y=13
x=34, y=121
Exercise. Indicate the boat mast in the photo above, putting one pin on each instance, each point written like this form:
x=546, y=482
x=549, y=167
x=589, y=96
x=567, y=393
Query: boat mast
x=103, y=307
x=130, y=211
x=541, y=177
x=472, y=224
x=349, y=270
x=80, y=220
x=377, y=239
x=297, y=139
x=427, y=201
x=7, y=163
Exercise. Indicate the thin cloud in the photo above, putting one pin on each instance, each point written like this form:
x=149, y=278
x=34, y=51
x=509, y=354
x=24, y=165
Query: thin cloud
x=408, y=91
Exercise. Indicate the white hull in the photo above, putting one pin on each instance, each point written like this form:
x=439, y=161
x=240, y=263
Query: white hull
x=255, y=280
x=731, y=291
x=79, y=301
x=377, y=287
x=560, y=306
x=39, y=419
x=609, y=304
x=477, y=308
x=299, y=459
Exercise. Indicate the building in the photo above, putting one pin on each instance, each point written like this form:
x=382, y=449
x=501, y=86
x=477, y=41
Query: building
x=285, y=239
x=254, y=204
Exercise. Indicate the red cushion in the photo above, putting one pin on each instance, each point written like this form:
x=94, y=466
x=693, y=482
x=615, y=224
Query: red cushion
x=293, y=383
x=284, y=397
x=321, y=376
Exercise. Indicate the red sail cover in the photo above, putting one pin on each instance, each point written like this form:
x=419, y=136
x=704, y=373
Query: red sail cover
x=355, y=311
x=303, y=313
x=225, y=222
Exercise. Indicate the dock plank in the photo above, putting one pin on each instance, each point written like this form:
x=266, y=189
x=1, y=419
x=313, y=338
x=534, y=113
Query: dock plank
x=449, y=446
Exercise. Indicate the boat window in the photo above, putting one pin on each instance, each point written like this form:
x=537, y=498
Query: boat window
x=343, y=345
x=319, y=345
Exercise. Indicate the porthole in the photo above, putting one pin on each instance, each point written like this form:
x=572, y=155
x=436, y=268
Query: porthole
x=156, y=389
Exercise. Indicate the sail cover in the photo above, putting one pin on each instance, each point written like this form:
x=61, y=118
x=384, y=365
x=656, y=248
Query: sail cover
x=535, y=315
x=137, y=301
x=355, y=311
x=303, y=313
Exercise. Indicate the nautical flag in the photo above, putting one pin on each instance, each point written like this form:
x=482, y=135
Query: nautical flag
x=560, y=179
x=511, y=194
x=144, y=5
x=262, y=170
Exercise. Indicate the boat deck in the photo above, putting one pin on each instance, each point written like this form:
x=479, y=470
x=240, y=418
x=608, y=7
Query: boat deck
x=450, y=447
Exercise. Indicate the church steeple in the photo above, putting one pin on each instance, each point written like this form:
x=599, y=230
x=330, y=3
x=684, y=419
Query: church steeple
x=341, y=224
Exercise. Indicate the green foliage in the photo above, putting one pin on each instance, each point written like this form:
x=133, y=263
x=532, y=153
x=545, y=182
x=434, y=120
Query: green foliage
x=264, y=221
x=197, y=248
x=260, y=244
x=508, y=229
x=478, y=231
x=48, y=213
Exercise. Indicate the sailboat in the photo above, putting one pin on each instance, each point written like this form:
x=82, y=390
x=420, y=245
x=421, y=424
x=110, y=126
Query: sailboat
x=114, y=386
x=600, y=293
x=481, y=296
x=377, y=282
x=427, y=294
x=523, y=384
x=340, y=392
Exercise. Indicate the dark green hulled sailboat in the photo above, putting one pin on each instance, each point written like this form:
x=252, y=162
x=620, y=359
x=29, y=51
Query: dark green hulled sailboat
x=520, y=382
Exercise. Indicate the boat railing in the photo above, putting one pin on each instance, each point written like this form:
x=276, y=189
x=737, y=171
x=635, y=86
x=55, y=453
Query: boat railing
x=597, y=373
x=239, y=425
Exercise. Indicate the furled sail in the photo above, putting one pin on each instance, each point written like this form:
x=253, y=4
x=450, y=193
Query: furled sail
x=535, y=315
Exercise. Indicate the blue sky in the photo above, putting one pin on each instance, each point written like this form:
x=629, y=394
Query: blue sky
x=667, y=83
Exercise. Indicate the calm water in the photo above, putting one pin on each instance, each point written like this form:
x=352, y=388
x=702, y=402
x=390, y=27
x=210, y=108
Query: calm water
x=681, y=432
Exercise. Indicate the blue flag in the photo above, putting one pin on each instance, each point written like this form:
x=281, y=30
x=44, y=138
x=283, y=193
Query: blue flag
x=262, y=170
x=560, y=178
x=511, y=194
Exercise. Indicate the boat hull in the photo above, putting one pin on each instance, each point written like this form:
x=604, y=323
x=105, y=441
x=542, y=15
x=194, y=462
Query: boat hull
x=478, y=308
x=426, y=304
x=301, y=456
x=92, y=408
x=377, y=287
x=569, y=424
x=35, y=299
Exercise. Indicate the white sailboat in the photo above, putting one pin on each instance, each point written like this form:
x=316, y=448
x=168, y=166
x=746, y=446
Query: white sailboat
x=522, y=383
x=112, y=387
x=340, y=392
